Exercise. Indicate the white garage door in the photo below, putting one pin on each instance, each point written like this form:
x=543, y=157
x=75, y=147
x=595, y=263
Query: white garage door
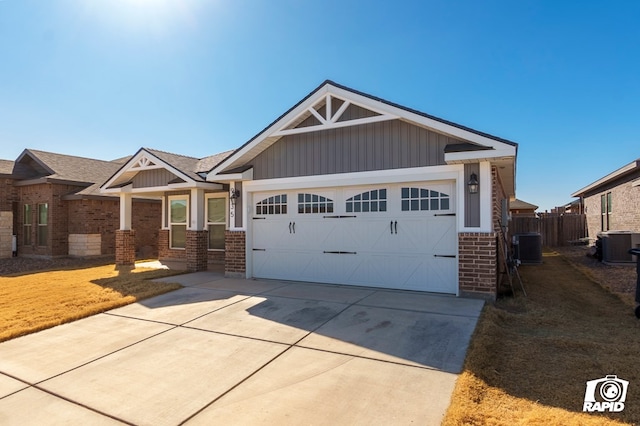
x=400, y=236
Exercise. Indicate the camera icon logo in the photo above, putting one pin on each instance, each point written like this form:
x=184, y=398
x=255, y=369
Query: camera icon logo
x=606, y=394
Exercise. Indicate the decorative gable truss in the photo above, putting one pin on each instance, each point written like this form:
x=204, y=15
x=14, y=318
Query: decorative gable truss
x=331, y=112
x=146, y=174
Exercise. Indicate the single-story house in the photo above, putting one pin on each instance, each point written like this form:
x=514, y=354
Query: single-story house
x=522, y=208
x=343, y=188
x=52, y=204
x=612, y=202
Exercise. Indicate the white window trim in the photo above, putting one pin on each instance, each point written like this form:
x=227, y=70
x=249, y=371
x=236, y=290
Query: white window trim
x=206, y=213
x=170, y=198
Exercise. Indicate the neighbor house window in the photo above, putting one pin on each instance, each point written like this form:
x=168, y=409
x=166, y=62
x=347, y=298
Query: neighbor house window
x=178, y=214
x=27, y=225
x=605, y=210
x=216, y=222
x=43, y=224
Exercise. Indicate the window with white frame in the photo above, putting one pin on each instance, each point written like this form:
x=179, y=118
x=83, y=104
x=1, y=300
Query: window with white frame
x=216, y=221
x=178, y=215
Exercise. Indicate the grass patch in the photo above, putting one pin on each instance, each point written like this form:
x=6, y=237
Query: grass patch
x=530, y=358
x=39, y=300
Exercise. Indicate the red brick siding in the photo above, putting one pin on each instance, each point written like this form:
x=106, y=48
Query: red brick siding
x=235, y=256
x=477, y=264
x=197, y=242
x=125, y=247
x=8, y=195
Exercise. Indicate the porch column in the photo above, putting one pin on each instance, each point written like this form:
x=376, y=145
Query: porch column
x=125, y=236
x=197, y=236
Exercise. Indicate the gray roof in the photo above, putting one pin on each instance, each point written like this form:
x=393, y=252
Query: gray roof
x=69, y=167
x=190, y=166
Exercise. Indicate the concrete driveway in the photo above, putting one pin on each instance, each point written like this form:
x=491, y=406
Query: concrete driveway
x=231, y=351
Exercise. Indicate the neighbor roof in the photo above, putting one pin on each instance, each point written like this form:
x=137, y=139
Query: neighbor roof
x=64, y=167
x=622, y=171
x=521, y=205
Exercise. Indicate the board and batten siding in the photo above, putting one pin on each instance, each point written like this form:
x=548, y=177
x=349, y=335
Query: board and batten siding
x=152, y=178
x=375, y=146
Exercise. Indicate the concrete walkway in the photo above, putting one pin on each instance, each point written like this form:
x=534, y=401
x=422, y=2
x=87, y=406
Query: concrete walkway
x=231, y=351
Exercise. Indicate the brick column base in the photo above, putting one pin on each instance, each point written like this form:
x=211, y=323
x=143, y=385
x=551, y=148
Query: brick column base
x=478, y=265
x=125, y=248
x=197, y=242
x=234, y=254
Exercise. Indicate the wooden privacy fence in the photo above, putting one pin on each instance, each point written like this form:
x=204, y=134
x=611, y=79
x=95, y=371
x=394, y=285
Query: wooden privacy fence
x=556, y=230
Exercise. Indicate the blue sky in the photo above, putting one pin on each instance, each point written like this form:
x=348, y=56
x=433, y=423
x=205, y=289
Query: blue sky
x=101, y=78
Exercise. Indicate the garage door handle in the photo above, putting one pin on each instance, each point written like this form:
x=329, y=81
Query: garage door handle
x=391, y=226
x=289, y=227
x=395, y=224
x=452, y=256
x=294, y=227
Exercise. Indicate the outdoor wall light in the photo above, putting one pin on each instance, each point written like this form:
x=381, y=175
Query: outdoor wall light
x=473, y=184
x=234, y=194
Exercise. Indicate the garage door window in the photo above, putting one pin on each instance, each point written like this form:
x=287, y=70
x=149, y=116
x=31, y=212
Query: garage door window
x=272, y=205
x=313, y=203
x=416, y=199
x=370, y=201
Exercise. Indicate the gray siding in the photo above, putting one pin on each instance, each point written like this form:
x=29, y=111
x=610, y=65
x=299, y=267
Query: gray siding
x=152, y=178
x=376, y=146
x=472, y=201
x=239, y=204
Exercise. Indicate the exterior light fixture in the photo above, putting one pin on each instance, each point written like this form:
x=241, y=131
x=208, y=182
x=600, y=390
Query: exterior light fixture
x=473, y=184
x=234, y=194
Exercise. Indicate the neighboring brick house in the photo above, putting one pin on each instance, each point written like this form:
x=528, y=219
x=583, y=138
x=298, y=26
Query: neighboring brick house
x=52, y=203
x=342, y=188
x=613, y=202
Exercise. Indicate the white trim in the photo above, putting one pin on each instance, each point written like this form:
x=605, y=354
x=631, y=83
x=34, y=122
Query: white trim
x=227, y=210
x=132, y=166
x=476, y=156
x=340, y=111
x=334, y=125
x=231, y=177
x=447, y=172
x=486, y=195
x=169, y=223
x=125, y=211
x=635, y=182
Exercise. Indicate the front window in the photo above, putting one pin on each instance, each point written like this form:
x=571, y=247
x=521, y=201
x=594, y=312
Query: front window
x=43, y=224
x=26, y=222
x=178, y=222
x=216, y=222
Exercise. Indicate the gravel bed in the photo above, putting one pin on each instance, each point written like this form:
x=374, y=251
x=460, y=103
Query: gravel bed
x=619, y=279
x=16, y=265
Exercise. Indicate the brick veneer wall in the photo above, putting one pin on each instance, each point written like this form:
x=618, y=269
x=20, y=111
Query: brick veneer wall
x=477, y=274
x=625, y=199
x=8, y=195
x=235, y=256
x=102, y=216
x=125, y=247
x=196, y=250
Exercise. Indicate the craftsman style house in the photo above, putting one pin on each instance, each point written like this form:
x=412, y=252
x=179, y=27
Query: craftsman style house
x=342, y=188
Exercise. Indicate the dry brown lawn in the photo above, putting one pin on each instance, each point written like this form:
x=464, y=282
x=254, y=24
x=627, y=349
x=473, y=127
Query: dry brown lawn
x=530, y=358
x=38, y=300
